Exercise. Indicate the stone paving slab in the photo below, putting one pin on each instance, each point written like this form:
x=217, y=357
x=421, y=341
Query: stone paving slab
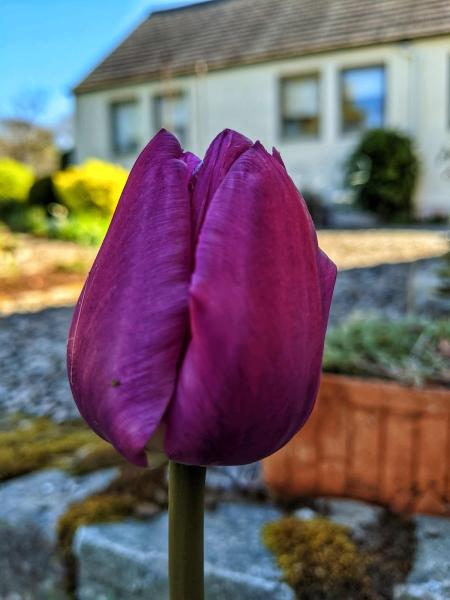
x=429, y=578
x=240, y=478
x=29, y=510
x=129, y=560
x=354, y=514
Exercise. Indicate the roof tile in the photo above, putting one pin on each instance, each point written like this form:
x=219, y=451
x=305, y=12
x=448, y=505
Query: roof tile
x=230, y=32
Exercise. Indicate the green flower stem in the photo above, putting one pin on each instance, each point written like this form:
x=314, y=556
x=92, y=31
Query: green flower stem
x=186, y=513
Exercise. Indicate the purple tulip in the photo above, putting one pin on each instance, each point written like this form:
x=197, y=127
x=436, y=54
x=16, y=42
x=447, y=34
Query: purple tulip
x=203, y=318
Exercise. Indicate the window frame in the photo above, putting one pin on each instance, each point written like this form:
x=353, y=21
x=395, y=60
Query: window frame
x=300, y=137
x=164, y=94
x=113, y=106
x=360, y=67
x=447, y=89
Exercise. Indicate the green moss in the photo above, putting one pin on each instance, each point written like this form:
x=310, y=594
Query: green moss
x=124, y=496
x=132, y=493
x=96, y=509
x=31, y=444
x=93, y=457
x=318, y=559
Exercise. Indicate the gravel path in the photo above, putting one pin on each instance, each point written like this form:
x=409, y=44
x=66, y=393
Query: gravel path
x=32, y=364
x=33, y=345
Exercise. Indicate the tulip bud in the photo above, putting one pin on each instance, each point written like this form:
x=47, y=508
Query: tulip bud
x=204, y=315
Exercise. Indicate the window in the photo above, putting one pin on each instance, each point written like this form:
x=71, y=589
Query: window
x=448, y=91
x=124, y=127
x=300, y=107
x=171, y=112
x=362, y=98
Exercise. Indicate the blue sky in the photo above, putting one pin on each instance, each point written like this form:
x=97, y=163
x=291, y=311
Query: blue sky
x=47, y=46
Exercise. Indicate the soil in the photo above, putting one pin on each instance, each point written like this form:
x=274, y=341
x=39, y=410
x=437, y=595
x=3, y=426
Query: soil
x=391, y=547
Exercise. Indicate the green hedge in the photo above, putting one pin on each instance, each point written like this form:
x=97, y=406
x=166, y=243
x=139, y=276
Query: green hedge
x=383, y=171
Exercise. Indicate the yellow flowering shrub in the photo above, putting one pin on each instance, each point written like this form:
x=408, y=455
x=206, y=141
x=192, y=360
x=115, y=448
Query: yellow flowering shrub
x=94, y=185
x=16, y=180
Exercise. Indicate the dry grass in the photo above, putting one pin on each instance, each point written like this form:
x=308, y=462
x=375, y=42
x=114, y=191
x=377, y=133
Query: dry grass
x=39, y=273
x=367, y=248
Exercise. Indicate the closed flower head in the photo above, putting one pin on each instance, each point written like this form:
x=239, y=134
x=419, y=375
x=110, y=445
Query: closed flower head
x=203, y=318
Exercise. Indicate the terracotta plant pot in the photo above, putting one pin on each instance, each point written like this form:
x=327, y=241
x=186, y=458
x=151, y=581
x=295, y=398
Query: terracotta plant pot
x=374, y=440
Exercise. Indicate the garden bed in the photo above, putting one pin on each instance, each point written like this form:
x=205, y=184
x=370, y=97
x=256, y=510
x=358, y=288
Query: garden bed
x=36, y=273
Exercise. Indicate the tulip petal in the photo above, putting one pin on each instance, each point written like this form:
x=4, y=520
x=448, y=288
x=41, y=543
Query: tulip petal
x=131, y=320
x=276, y=154
x=259, y=301
x=223, y=151
x=327, y=274
x=192, y=161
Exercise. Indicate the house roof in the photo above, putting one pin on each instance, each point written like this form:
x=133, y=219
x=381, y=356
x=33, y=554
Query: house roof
x=234, y=32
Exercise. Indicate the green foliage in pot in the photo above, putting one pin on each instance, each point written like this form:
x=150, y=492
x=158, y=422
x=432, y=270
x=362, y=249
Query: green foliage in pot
x=411, y=350
x=444, y=277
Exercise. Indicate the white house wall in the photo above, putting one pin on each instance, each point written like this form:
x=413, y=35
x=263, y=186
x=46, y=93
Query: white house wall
x=247, y=99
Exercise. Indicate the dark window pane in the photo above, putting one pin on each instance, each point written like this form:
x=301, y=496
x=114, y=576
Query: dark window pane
x=124, y=127
x=300, y=107
x=362, y=98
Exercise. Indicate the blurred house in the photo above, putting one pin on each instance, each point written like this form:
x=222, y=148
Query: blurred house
x=305, y=75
